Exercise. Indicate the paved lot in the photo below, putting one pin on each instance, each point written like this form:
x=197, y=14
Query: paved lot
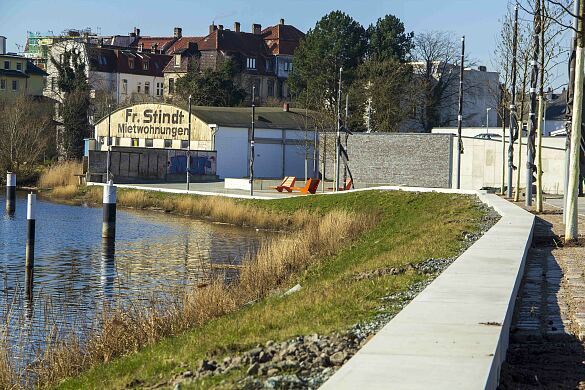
x=558, y=203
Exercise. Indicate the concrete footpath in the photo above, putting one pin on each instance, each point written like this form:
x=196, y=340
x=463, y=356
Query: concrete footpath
x=454, y=334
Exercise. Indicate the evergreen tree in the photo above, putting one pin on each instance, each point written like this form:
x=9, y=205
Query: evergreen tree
x=387, y=40
x=72, y=81
x=336, y=41
x=211, y=87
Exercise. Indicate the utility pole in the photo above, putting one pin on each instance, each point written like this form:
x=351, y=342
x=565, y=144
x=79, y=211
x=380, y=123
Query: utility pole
x=513, y=119
x=338, y=137
x=530, y=142
x=252, y=140
x=571, y=225
x=521, y=121
x=189, y=146
x=541, y=108
x=460, y=113
x=346, y=130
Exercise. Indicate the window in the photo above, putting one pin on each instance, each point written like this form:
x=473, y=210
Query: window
x=270, y=87
x=168, y=143
x=19, y=66
x=102, y=60
x=145, y=65
x=184, y=144
x=290, y=66
x=131, y=63
x=177, y=60
x=147, y=87
x=251, y=63
x=14, y=85
x=148, y=142
x=171, y=85
x=2, y=84
x=6, y=64
x=124, y=86
x=134, y=141
x=159, y=89
x=139, y=87
x=285, y=66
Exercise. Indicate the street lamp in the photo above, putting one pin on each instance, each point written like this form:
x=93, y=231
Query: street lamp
x=487, y=120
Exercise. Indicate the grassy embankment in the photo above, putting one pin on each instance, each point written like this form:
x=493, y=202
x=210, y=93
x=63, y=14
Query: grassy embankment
x=376, y=230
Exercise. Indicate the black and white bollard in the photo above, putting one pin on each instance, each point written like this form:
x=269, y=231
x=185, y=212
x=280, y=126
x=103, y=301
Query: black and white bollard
x=109, y=205
x=30, y=240
x=10, y=192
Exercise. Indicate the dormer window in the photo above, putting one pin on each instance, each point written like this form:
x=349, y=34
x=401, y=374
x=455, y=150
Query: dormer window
x=19, y=66
x=251, y=63
x=177, y=60
x=131, y=63
x=145, y=65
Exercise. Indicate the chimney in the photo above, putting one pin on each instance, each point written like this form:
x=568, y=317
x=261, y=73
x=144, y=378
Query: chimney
x=237, y=26
x=136, y=32
x=220, y=27
x=178, y=33
x=285, y=107
x=256, y=29
x=482, y=68
x=2, y=44
x=281, y=21
x=212, y=28
x=140, y=46
x=153, y=47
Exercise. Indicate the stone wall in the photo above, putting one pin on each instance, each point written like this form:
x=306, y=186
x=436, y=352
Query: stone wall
x=408, y=159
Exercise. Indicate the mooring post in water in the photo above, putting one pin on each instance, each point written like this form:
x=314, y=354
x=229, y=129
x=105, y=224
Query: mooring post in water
x=10, y=192
x=30, y=240
x=109, y=205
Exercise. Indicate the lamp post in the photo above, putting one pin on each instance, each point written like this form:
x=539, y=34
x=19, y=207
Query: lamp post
x=252, y=141
x=487, y=120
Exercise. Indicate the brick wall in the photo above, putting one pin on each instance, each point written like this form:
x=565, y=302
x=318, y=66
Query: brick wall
x=395, y=159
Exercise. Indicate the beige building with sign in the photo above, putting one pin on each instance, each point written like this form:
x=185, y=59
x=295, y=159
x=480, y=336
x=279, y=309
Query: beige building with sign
x=284, y=138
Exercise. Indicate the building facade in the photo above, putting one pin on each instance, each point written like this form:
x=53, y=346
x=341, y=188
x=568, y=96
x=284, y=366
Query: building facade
x=121, y=75
x=284, y=140
x=19, y=76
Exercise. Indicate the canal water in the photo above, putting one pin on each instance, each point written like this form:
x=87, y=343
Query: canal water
x=75, y=274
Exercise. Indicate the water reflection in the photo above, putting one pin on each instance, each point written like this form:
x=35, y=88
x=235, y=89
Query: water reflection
x=76, y=273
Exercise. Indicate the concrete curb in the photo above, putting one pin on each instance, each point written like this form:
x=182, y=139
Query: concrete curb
x=454, y=334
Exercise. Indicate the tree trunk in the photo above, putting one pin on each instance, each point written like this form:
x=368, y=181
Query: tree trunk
x=571, y=227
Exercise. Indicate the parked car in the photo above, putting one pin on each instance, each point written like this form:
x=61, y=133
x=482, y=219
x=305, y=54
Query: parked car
x=489, y=136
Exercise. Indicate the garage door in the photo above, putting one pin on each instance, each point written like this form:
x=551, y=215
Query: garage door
x=268, y=161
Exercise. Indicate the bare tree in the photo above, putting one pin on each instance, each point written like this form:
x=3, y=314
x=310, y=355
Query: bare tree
x=24, y=125
x=436, y=73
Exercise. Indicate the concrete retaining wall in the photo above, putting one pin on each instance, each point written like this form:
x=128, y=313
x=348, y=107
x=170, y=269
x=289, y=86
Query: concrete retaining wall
x=395, y=158
x=454, y=334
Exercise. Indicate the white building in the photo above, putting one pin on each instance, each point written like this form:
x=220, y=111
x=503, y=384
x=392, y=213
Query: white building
x=121, y=75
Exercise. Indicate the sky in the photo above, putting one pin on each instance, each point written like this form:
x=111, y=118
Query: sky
x=478, y=20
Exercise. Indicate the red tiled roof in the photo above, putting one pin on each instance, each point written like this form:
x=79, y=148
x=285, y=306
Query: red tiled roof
x=162, y=43
x=182, y=43
x=282, y=38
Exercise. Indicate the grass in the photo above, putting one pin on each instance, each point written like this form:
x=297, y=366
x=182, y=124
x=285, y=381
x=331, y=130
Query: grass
x=406, y=228
x=60, y=175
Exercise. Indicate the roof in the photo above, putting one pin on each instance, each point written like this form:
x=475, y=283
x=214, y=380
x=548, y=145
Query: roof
x=111, y=60
x=162, y=43
x=282, y=38
x=13, y=73
x=182, y=43
x=231, y=41
x=266, y=117
x=33, y=69
x=556, y=107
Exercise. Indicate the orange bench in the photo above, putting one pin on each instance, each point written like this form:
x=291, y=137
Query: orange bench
x=286, y=184
x=346, y=187
x=311, y=186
